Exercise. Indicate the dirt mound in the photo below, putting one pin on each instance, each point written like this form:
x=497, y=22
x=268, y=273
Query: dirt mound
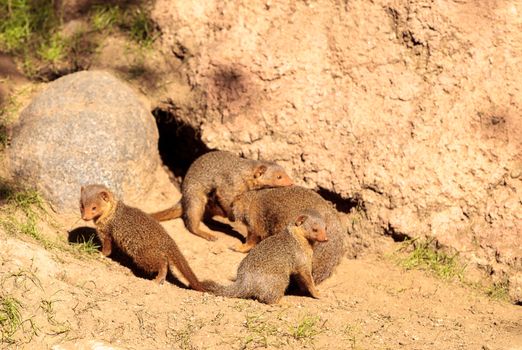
x=412, y=108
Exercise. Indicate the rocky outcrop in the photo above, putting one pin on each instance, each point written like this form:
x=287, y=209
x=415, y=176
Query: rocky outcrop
x=86, y=127
x=412, y=107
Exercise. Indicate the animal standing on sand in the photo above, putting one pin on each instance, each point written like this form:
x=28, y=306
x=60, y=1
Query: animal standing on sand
x=264, y=274
x=137, y=234
x=212, y=183
x=267, y=212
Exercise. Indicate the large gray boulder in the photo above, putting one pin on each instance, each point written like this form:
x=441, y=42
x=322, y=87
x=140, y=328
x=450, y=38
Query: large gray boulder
x=86, y=127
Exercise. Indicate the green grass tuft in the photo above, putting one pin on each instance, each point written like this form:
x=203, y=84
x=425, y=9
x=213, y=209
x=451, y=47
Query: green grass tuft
x=57, y=327
x=26, y=226
x=134, y=22
x=22, y=280
x=422, y=255
x=307, y=328
x=10, y=318
x=30, y=30
x=261, y=333
x=53, y=50
x=88, y=247
x=16, y=328
x=105, y=17
x=26, y=200
x=24, y=22
x=141, y=29
x=498, y=290
x=24, y=209
x=15, y=24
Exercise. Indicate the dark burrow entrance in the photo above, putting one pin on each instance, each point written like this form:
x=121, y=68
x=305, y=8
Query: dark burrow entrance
x=343, y=205
x=179, y=143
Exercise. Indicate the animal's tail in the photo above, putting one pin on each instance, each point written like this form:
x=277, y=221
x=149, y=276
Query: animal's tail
x=173, y=212
x=231, y=291
x=177, y=259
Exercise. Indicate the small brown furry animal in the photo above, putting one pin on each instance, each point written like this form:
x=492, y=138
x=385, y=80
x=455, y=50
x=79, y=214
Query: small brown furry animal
x=220, y=177
x=264, y=274
x=134, y=232
x=267, y=212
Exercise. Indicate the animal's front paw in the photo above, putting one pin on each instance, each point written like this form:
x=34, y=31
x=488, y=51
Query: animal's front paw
x=316, y=295
x=241, y=248
x=211, y=237
x=106, y=251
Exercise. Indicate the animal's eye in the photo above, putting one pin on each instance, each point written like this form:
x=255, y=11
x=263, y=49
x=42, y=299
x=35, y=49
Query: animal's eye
x=93, y=208
x=314, y=229
x=279, y=177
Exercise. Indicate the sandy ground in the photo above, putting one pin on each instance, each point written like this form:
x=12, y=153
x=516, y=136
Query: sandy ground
x=69, y=299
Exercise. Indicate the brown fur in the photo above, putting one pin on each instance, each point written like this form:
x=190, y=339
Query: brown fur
x=266, y=212
x=220, y=177
x=264, y=274
x=134, y=232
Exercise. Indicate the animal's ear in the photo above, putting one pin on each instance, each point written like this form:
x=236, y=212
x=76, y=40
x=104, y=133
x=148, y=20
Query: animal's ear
x=104, y=195
x=300, y=219
x=260, y=170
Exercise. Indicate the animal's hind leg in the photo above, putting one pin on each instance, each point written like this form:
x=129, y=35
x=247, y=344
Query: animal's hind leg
x=305, y=279
x=268, y=289
x=162, y=273
x=193, y=215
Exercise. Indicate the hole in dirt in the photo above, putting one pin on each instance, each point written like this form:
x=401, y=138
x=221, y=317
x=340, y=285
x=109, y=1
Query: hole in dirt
x=179, y=143
x=84, y=234
x=344, y=205
x=396, y=236
x=7, y=190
